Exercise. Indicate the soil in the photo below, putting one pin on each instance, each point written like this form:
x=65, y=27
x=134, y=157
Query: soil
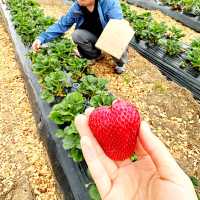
x=25, y=172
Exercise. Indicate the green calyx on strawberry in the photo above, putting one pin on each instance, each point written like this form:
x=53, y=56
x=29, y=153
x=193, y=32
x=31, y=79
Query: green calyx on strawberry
x=116, y=128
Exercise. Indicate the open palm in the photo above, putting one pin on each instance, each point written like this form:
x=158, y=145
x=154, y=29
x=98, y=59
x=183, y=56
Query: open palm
x=154, y=176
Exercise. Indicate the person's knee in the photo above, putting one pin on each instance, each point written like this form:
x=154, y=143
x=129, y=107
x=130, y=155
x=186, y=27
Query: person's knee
x=77, y=36
x=81, y=36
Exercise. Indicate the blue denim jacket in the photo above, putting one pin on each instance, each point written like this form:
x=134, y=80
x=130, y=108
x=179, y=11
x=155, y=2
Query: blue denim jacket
x=108, y=9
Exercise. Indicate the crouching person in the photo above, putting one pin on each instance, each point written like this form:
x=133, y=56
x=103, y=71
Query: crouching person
x=90, y=17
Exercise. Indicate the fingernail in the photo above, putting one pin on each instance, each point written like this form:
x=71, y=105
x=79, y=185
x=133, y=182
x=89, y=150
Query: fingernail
x=88, y=111
x=115, y=101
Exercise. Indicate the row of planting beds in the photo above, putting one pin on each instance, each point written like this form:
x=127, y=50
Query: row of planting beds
x=162, y=46
x=184, y=11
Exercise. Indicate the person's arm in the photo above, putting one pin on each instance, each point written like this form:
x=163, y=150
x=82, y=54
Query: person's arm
x=114, y=10
x=60, y=27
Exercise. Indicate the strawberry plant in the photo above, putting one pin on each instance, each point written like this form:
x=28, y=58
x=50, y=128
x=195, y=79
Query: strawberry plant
x=28, y=19
x=187, y=6
x=77, y=66
x=69, y=107
x=175, y=33
x=54, y=85
x=193, y=54
x=155, y=32
x=172, y=42
x=58, y=55
x=141, y=24
x=71, y=141
x=145, y=27
x=191, y=6
x=131, y=15
x=91, y=85
x=195, y=43
x=45, y=64
x=62, y=48
x=55, y=66
x=172, y=47
x=196, y=9
x=102, y=99
x=93, y=192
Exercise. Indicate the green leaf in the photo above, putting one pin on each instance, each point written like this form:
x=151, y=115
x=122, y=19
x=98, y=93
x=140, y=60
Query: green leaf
x=176, y=33
x=69, y=107
x=195, y=181
x=47, y=96
x=71, y=129
x=172, y=46
x=76, y=155
x=89, y=174
x=195, y=43
x=193, y=56
x=198, y=196
x=102, y=99
x=69, y=142
x=56, y=117
x=55, y=82
x=134, y=157
x=60, y=133
x=94, y=193
x=90, y=85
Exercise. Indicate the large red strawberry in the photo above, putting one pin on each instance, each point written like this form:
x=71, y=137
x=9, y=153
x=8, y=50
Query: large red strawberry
x=116, y=128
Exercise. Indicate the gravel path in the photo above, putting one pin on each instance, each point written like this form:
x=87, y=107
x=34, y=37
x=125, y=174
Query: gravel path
x=25, y=173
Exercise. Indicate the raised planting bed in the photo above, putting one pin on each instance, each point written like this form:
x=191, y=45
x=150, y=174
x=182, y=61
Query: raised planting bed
x=188, y=19
x=170, y=66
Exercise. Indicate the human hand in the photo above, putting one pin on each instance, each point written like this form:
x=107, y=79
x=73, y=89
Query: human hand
x=154, y=176
x=36, y=45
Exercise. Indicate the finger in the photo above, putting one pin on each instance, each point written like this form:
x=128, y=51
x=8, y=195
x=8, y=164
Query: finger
x=139, y=150
x=115, y=101
x=81, y=123
x=37, y=45
x=163, y=160
x=95, y=166
x=34, y=46
x=88, y=111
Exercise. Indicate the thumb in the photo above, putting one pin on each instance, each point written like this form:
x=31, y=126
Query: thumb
x=161, y=157
x=34, y=45
x=37, y=44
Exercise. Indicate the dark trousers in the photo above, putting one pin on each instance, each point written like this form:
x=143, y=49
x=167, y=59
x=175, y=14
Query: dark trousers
x=86, y=40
